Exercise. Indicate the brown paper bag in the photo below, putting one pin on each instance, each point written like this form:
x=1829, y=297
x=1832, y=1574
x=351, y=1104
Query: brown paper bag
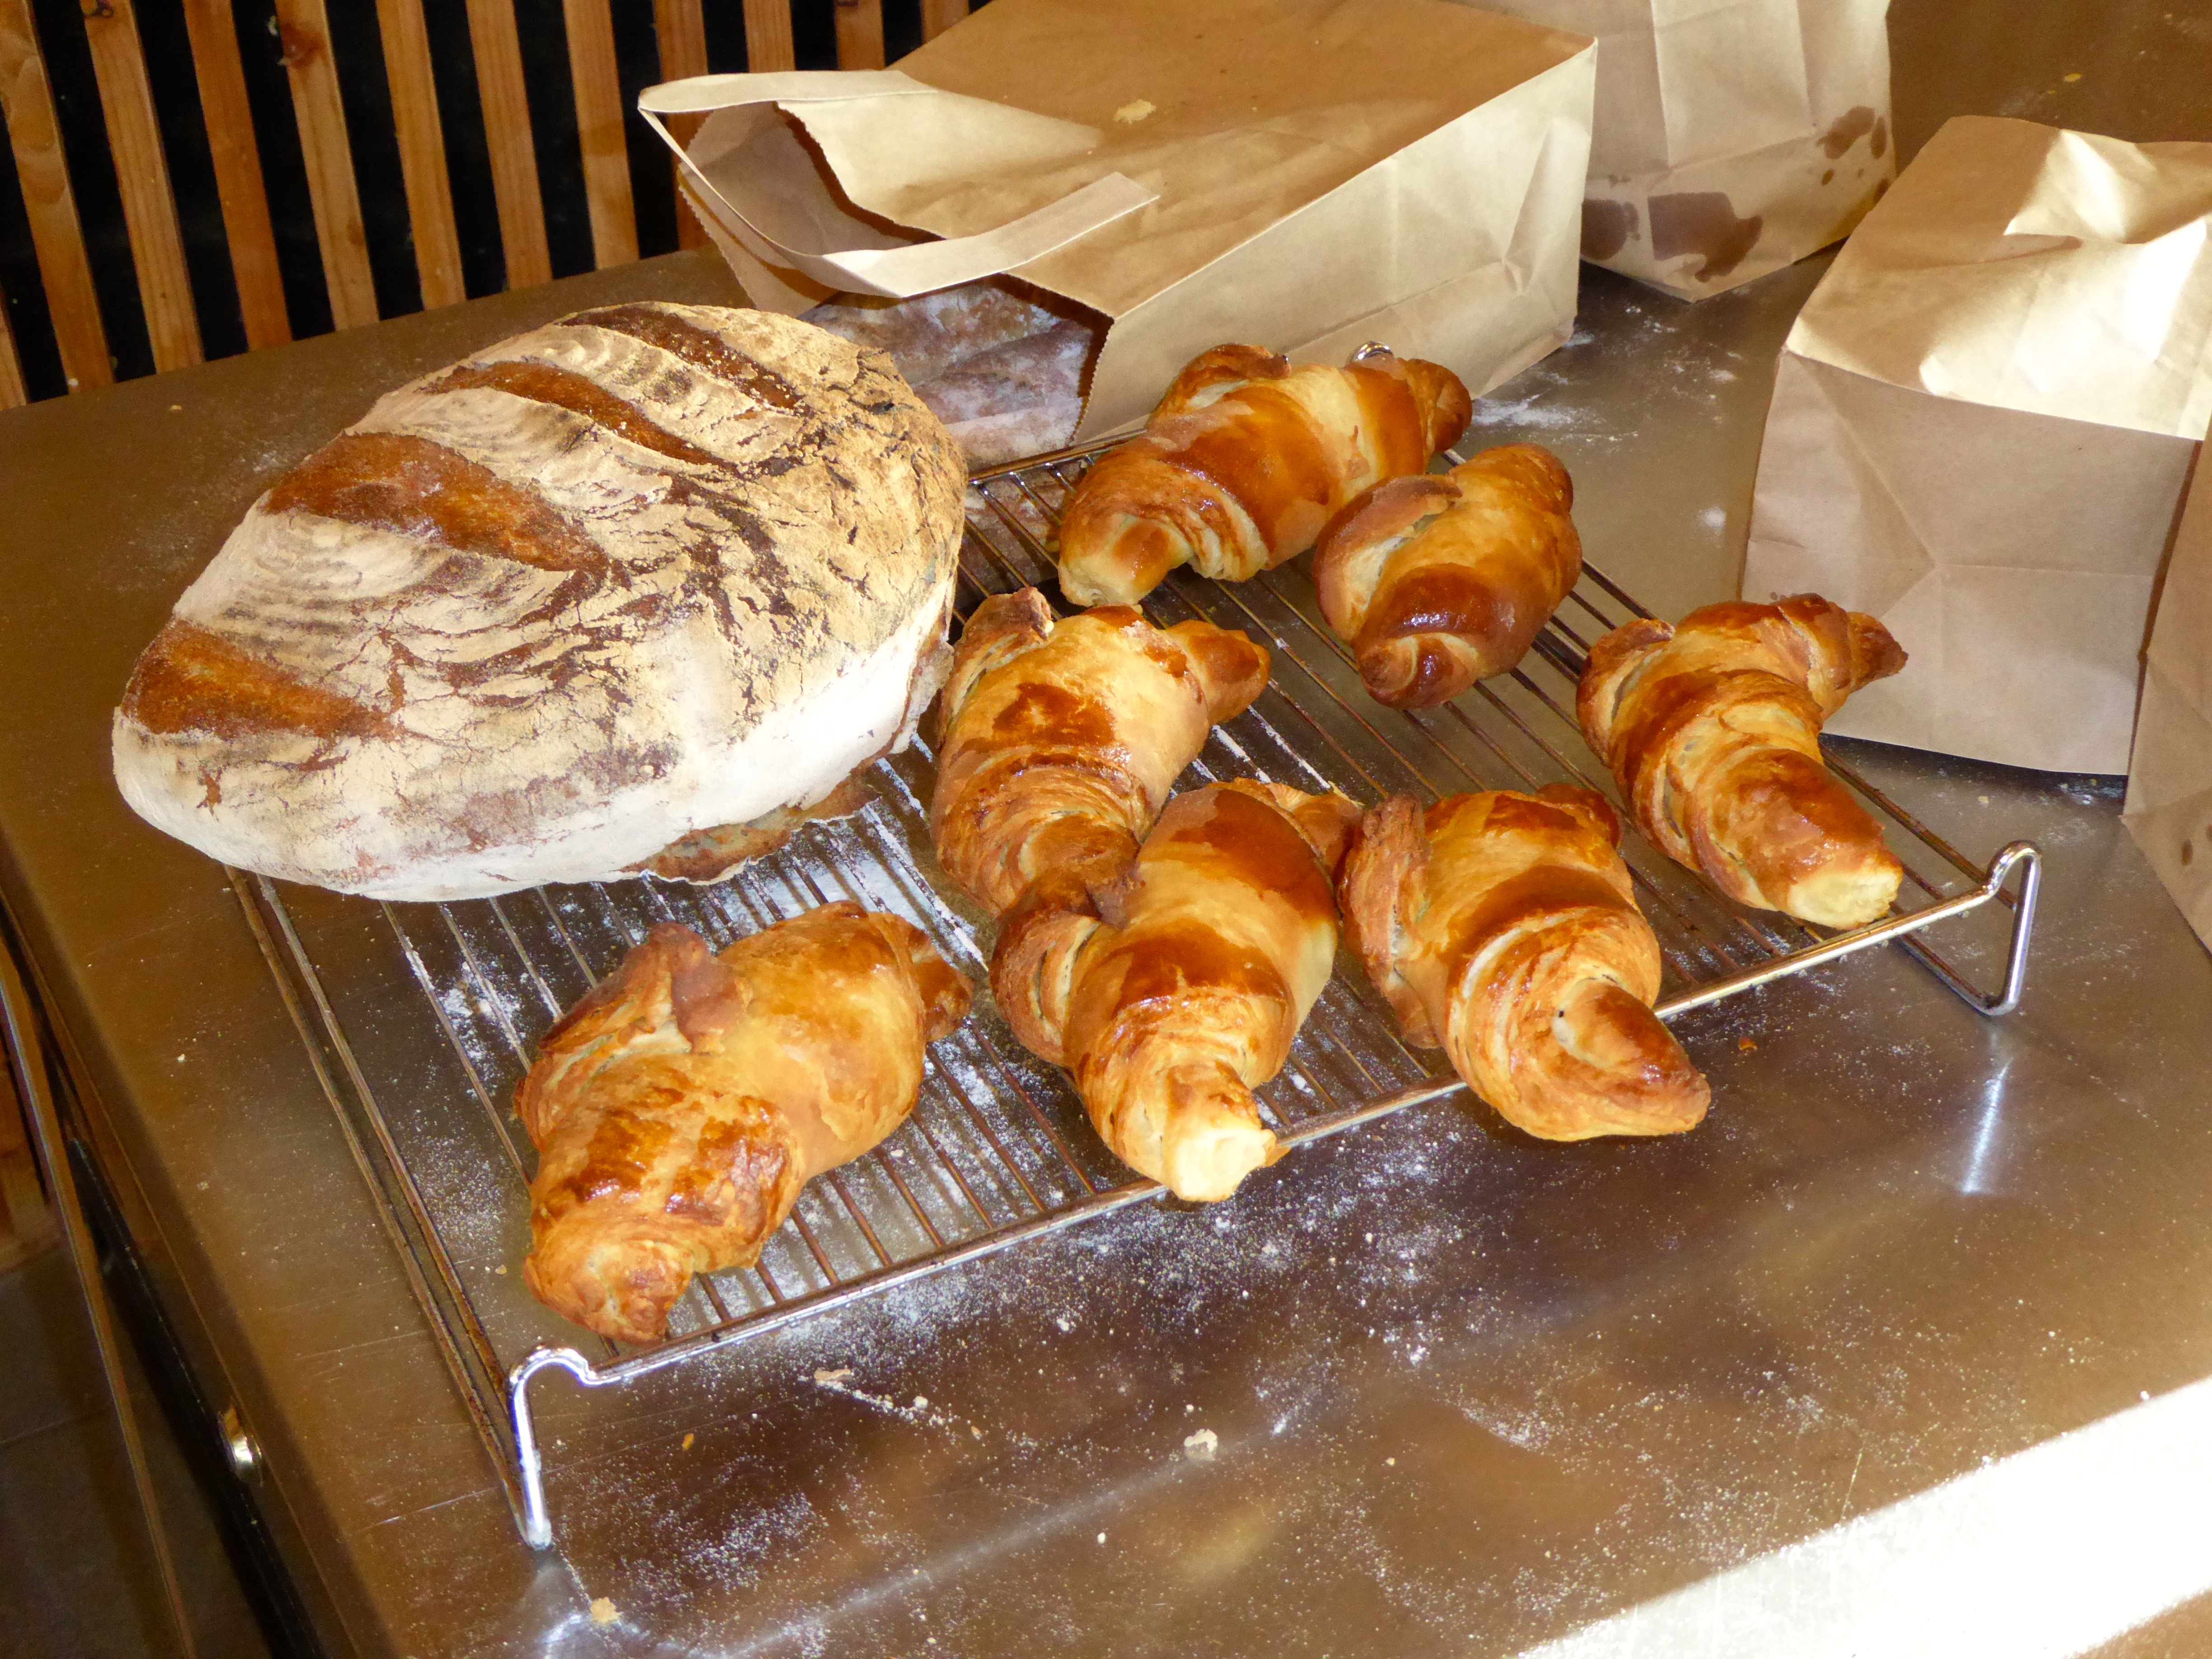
x=1980, y=427
x=2169, y=806
x=1299, y=175
x=1730, y=139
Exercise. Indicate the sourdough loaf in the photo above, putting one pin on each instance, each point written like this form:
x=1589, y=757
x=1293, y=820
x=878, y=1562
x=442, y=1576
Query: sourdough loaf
x=604, y=588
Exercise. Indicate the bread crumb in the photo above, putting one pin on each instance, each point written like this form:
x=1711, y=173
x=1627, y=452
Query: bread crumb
x=1135, y=111
x=1390, y=1462
x=2073, y=77
x=603, y=1611
x=837, y=1376
x=179, y=409
x=1746, y=1044
x=1202, y=1445
x=688, y=1439
x=921, y=1403
x=500, y=1270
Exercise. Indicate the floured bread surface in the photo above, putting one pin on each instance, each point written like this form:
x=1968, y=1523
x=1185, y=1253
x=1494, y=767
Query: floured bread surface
x=646, y=571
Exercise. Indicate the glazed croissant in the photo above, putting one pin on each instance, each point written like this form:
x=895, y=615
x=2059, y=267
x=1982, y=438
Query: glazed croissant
x=1060, y=742
x=680, y=1106
x=1174, y=994
x=1436, y=582
x=1712, y=726
x=1501, y=927
x=1242, y=463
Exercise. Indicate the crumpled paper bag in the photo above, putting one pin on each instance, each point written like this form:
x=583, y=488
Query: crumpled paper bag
x=1300, y=175
x=1980, y=428
x=1731, y=137
x=2169, y=803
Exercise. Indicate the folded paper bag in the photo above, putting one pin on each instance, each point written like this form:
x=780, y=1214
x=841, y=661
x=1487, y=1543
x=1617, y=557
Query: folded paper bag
x=2169, y=804
x=1731, y=137
x=1980, y=427
x=1302, y=175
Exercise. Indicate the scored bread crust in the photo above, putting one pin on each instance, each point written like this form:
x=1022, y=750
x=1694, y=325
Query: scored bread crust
x=647, y=570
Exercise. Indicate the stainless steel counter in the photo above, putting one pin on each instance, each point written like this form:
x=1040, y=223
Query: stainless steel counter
x=1468, y=1393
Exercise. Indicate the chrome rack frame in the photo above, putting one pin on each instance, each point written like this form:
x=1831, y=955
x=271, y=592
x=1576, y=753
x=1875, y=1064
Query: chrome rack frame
x=998, y=1152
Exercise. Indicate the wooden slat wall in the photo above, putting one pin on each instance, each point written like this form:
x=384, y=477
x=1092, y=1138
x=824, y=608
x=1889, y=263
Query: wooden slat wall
x=141, y=172
x=238, y=184
x=305, y=28
x=768, y=36
x=422, y=150
x=151, y=210
x=681, y=29
x=859, y=34
x=938, y=16
x=598, y=83
x=56, y=235
x=507, y=134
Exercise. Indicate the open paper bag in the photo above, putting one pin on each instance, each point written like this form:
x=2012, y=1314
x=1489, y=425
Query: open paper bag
x=1298, y=175
x=2169, y=806
x=1731, y=138
x=1980, y=428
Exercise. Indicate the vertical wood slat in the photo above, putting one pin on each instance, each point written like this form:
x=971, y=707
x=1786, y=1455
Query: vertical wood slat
x=142, y=173
x=12, y=389
x=56, y=234
x=238, y=183
x=422, y=150
x=598, y=84
x=681, y=29
x=305, y=30
x=507, y=134
x=938, y=16
x=768, y=36
x=859, y=34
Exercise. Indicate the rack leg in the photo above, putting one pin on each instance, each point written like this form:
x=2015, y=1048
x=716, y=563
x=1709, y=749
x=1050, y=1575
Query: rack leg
x=537, y=1523
x=2029, y=859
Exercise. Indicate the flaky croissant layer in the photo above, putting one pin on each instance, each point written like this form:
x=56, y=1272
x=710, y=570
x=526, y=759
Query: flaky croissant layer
x=1175, y=992
x=678, y=1108
x=1712, y=726
x=1501, y=926
x=1439, y=580
x=1244, y=462
x=1061, y=741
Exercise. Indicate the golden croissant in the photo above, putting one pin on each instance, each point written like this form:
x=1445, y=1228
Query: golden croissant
x=1244, y=461
x=1439, y=580
x=1501, y=927
x=1174, y=994
x=1061, y=742
x=1712, y=726
x=679, y=1108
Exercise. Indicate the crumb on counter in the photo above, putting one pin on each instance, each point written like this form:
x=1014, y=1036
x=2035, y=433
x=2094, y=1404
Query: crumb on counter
x=603, y=1611
x=1135, y=111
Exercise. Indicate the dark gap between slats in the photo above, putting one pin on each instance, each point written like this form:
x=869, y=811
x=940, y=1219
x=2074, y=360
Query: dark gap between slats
x=92, y=176
x=357, y=50
x=652, y=180
x=283, y=169
x=544, y=34
x=29, y=318
x=191, y=175
x=468, y=156
x=814, y=33
x=902, y=28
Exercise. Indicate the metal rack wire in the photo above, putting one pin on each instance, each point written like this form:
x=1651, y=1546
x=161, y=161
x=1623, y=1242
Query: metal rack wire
x=998, y=1151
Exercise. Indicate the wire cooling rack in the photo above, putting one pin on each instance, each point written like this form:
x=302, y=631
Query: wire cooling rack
x=998, y=1150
